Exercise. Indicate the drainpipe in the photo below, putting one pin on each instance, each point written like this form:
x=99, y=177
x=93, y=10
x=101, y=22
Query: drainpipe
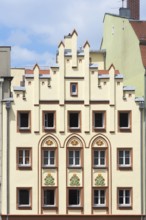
x=8, y=106
x=141, y=108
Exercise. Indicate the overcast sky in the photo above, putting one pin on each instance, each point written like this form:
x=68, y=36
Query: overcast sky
x=34, y=28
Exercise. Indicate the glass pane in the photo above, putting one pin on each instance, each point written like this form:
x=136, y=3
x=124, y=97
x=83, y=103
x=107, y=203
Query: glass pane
x=24, y=120
x=49, y=120
x=98, y=120
x=73, y=120
x=49, y=197
x=23, y=197
x=51, y=161
x=74, y=197
x=73, y=88
x=124, y=120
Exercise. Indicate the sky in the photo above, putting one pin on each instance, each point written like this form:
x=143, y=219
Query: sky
x=34, y=28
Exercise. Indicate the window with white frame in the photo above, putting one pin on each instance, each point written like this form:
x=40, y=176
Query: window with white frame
x=124, y=158
x=124, y=120
x=24, y=197
x=74, y=89
x=74, y=197
x=48, y=157
x=49, y=197
x=99, y=120
x=124, y=197
x=24, y=157
x=23, y=120
x=74, y=120
x=74, y=157
x=99, y=158
x=99, y=197
x=49, y=120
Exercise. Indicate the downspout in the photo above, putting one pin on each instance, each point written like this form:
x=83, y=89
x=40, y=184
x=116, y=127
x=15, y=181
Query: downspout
x=8, y=106
x=141, y=108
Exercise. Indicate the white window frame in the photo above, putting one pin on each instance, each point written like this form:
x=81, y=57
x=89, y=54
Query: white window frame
x=74, y=158
x=48, y=157
x=124, y=158
x=76, y=89
x=99, y=158
x=24, y=157
x=74, y=128
x=23, y=205
x=45, y=205
x=78, y=198
x=46, y=120
x=24, y=128
x=124, y=204
x=103, y=120
x=99, y=204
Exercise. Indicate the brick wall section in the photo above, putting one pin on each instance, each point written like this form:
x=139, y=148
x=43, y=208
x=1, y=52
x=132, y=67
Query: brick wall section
x=134, y=6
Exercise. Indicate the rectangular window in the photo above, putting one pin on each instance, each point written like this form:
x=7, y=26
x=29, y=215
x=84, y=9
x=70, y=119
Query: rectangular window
x=24, y=197
x=48, y=157
x=74, y=120
x=24, y=121
x=49, y=197
x=99, y=120
x=74, y=157
x=124, y=197
x=49, y=120
x=124, y=120
x=74, y=197
x=24, y=157
x=124, y=158
x=99, y=158
x=99, y=197
x=74, y=89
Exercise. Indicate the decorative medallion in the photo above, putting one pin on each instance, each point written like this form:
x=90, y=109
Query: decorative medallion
x=99, y=181
x=49, y=180
x=74, y=180
x=49, y=142
x=74, y=142
x=99, y=142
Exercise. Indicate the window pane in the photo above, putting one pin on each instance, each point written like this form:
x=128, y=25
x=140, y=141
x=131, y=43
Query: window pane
x=102, y=157
x=74, y=197
x=73, y=120
x=121, y=197
x=124, y=117
x=23, y=197
x=49, y=197
x=49, y=120
x=74, y=88
x=98, y=120
x=24, y=120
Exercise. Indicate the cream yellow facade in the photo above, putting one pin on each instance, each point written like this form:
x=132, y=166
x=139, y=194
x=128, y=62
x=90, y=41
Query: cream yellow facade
x=67, y=140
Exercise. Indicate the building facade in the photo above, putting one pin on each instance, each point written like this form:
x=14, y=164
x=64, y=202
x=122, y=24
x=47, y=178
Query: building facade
x=75, y=145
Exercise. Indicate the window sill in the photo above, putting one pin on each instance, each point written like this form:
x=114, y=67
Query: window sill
x=25, y=207
x=100, y=167
x=125, y=207
x=74, y=167
x=49, y=129
x=124, y=129
x=24, y=167
x=99, y=129
x=49, y=207
x=124, y=167
x=75, y=207
x=24, y=130
x=100, y=207
x=49, y=167
x=74, y=129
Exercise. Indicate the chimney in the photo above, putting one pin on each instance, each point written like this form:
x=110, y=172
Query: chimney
x=134, y=6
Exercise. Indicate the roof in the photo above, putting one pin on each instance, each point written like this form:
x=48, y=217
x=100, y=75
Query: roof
x=107, y=72
x=30, y=71
x=139, y=28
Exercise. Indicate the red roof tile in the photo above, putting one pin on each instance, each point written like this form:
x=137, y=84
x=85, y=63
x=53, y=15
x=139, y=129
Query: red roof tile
x=139, y=28
x=143, y=54
x=28, y=71
x=107, y=72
